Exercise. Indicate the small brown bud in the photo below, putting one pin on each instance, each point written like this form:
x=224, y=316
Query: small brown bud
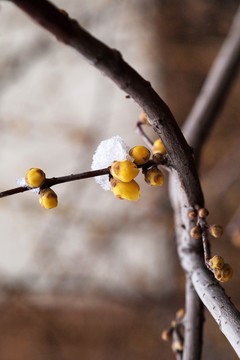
x=192, y=215
x=227, y=272
x=216, y=230
x=166, y=335
x=196, y=232
x=216, y=262
x=224, y=274
x=158, y=158
x=202, y=213
x=63, y=12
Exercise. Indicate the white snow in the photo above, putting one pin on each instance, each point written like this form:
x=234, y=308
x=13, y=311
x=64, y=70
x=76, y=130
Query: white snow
x=22, y=182
x=113, y=149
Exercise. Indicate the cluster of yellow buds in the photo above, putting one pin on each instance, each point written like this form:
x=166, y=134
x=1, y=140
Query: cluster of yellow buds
x=124, y=172
x=123, y=186
x=35, y=178
x=222, y=272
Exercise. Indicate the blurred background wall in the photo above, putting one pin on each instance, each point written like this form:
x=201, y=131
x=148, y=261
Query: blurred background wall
x=98, y=278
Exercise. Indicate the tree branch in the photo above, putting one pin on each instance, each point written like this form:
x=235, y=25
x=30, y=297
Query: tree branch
x=185, y=189
x=196, y=129
x=214, y=91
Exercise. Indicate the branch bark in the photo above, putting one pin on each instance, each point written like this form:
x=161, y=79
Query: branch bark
x=196, y=129
x=185, y=189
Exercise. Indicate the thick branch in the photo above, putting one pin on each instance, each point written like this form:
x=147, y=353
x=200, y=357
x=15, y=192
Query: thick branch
x=110, y=62
x=192, y=260
x=215, y=90
x=196, y=129
x=219, y=305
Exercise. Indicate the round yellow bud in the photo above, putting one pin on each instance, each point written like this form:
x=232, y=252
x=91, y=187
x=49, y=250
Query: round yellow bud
x=177, y=346
x=154, y=177
x=224, y=274
x=143, y=118
x=35, y=177
x=48, y=199
x=180, y=314
x=158, y=147
x=166, y=335
x=124, y=170
x=216, y=262
x=216, y=230
x=125, y=190
x=140, y=154
x=196, y=232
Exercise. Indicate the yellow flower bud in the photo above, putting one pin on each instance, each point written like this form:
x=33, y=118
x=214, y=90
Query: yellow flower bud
x=224, y=274
x=125, y=190
x=154, y=177
x=177, y=346
x=48, y=198
x=143, y=118
x=140, y=154
x=196, y=232
x=180, y=314
x=124, y=170
x=216, y=262
x=35, y=177
x=173, y=324
x=166, y=335
x=158, y=147
x=216, y=230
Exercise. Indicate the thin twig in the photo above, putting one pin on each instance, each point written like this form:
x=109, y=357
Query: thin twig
x=58, y=180
x=147, y=139
x=14, y=191
x=73, y=177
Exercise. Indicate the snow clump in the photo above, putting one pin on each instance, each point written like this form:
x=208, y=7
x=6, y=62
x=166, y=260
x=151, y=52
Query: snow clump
x=113, y=149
